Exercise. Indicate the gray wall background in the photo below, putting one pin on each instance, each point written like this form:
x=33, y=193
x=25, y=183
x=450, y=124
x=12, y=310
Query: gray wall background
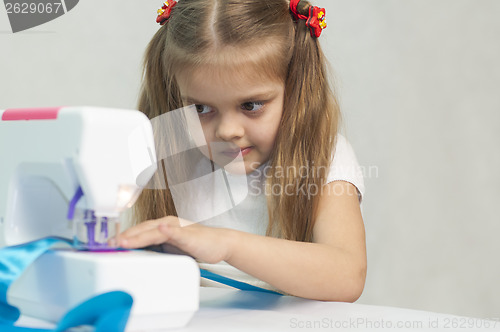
x=418, y=82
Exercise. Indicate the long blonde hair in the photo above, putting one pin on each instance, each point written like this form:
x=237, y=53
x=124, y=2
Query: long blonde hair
x=194, y=36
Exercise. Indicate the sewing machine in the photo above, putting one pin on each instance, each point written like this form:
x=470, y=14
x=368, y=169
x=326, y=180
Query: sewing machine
x=70, y=172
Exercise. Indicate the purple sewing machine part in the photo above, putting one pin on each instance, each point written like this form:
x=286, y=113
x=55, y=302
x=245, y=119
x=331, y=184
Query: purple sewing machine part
x=90, y=229
x=104, y=227
x=93, y=232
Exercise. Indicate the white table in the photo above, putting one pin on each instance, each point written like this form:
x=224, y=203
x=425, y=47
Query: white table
x=232, y=310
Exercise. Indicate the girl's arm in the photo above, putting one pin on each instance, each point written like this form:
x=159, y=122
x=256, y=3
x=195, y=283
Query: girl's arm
x=332, y=268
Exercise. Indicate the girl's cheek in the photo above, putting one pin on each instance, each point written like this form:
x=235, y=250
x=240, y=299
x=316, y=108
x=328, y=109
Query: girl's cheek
x=205, y=151
x=208, y=133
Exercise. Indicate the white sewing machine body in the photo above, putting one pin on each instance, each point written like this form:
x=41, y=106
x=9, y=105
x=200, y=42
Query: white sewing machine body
x=165, y=288
x=46, y=157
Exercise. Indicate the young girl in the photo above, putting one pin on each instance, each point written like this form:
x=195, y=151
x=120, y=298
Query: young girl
x=256, y=73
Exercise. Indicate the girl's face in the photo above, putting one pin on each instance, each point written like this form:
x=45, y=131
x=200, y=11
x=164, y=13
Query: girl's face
x=235, y=107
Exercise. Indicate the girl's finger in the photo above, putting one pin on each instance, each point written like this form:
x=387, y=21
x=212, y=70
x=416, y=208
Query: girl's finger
x=133, y=231
x=147, y=225
x=143, y=239
x=140, y=228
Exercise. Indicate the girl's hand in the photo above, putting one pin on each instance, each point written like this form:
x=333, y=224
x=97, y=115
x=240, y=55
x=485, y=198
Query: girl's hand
x=207, y=244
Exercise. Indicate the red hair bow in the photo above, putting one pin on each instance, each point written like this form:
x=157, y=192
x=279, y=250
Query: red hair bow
x=164, y=11
x=316, y=21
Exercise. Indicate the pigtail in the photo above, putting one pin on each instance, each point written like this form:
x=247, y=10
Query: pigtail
x=159, y=94
x=153, y=99
x=310, y=122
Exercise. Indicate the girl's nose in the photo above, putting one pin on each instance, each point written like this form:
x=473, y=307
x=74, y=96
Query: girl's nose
x=229, y=128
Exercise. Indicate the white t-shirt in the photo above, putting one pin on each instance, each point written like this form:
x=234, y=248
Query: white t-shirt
x=251, y=214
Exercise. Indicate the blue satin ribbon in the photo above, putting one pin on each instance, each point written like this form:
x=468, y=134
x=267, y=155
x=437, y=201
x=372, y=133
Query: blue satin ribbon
x=233, y=283
x=106, y=312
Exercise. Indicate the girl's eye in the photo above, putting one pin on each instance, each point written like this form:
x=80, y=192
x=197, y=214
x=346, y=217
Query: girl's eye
x=202, y=109
x=252, y=106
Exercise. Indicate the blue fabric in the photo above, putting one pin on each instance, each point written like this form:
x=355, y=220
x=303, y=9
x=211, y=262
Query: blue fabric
x=233, y=283
x=107, y=312
x=13, y=261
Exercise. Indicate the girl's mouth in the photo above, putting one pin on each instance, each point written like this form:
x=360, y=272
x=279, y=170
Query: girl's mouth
x=234, y=153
